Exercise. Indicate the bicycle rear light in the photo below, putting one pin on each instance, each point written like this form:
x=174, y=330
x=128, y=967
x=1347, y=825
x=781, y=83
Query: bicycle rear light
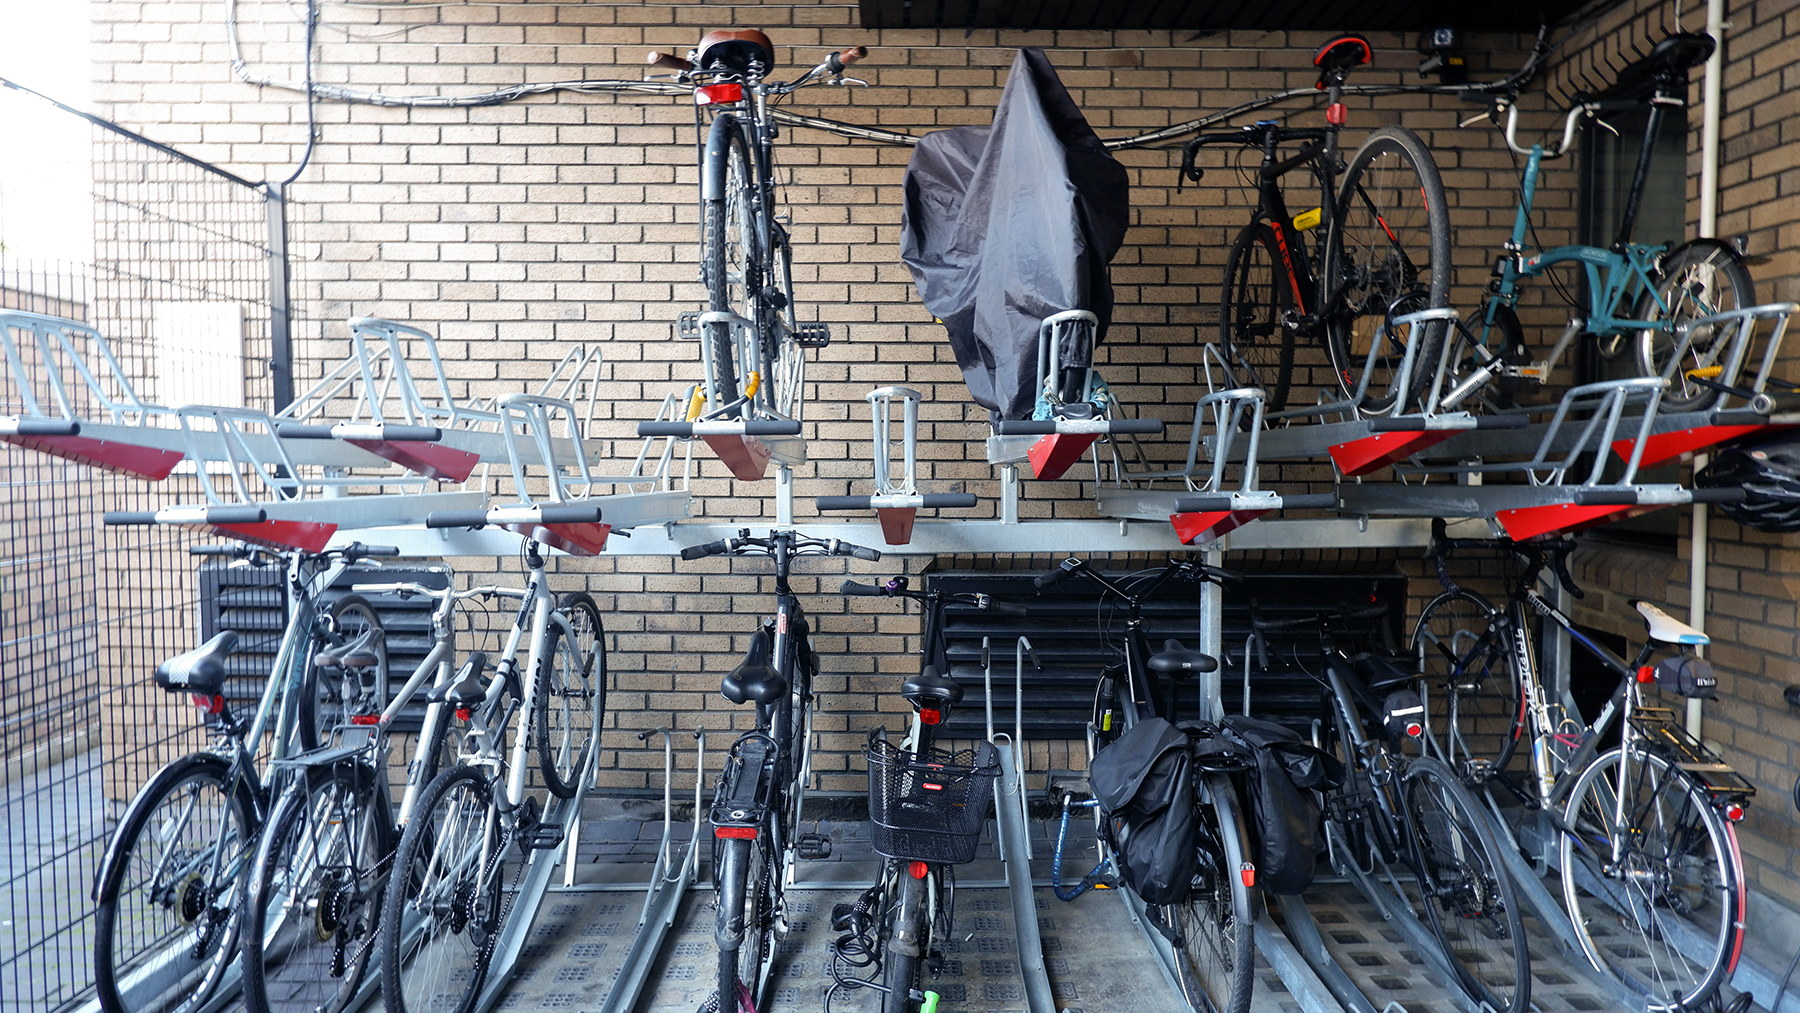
x=917, y=870
x=718, y=94
x=209, y=704
x=735, y=833
x=930, y=715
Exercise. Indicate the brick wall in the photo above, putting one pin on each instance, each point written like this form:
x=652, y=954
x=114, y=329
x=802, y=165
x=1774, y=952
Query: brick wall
x=516, y=229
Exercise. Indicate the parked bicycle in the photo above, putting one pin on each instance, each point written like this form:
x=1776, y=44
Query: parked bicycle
x=757, y=804
x=1395, y=809
x=169, y=889
x=446, y=897
x=1646, y=842
x=753, y=344
x=1644, y=304
x=927, y=806
x=1210, y=929
x=1385, y=252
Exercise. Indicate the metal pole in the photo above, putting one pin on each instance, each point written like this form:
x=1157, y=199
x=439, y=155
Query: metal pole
x=281, y=343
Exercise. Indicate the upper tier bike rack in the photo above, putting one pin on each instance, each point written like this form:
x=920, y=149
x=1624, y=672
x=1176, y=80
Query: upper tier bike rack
x=896, y=501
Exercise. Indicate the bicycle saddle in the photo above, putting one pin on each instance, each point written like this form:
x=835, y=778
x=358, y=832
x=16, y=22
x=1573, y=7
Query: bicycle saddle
x=1678, y=52
x=201, y=670
x=734, y=51
x=1177, y=660
x=754, y=679
x=1380, y=673
x=467, y=689
x=1665, y=628
x=930, y=685
x=359, y=653
x=1342, y=53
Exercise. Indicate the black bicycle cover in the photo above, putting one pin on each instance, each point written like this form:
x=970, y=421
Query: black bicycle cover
x=1007, y=224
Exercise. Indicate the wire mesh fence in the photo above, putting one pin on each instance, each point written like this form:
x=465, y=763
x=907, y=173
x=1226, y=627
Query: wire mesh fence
x=179, y=286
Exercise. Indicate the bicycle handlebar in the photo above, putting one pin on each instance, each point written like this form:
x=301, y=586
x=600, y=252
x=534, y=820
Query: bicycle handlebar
x=798, y=545
x=897, y=588
x=1586, y=109
x=1553, y=553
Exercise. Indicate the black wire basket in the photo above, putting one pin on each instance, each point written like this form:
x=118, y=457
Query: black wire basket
x=929, y=807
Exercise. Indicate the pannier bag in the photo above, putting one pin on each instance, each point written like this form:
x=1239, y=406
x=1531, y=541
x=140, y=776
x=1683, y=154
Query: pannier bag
x=1284, y=813
x=1144, y=783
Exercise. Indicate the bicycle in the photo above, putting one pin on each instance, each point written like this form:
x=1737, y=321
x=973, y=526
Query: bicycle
x=1645, y=831
x=1392, y=808
x=753, y=344
x=927, y=806
x=168, y=890
x=1666, y=290
x=445, y=900
x=757, y=801
x=1385, y=253
x=1210, y=931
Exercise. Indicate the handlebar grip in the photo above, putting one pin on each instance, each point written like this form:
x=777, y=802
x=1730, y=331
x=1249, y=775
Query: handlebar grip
x=1560, y=564
x=859, y=551
x=357, y=550
x=1061, y=573
x=771, y=427
x=656, y=59
x=665, y=429
x=1606, y=497
x=1220, y=574
x=843, y=502
x=128, y=517
x=852, y=589
x=456, y=519
x=569, y=514
x=1010, y=608
x=708, y=549
x=942, y=500
x=300, y=431
x=1024, y=427
x=47, y=427
x=1735, y=494
x=851, y=55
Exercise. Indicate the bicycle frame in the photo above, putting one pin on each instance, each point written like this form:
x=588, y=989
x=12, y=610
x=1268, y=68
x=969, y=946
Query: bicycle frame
x=1320, y=156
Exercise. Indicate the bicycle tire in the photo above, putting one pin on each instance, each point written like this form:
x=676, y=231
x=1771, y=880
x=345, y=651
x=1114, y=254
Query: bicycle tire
x=1694, y=280
x=171, y=828
x=314, y=902
x=1216, y=925
x=907, y=943
x=1253, y=304
x=1477, y=706
x=1464, y=889
x=1503, y=339
x=743, y=884
x=1387, y=254
x=731, y=263
x=1679, y=882
x=569, y=702
x=444, y=902
x=331, y=697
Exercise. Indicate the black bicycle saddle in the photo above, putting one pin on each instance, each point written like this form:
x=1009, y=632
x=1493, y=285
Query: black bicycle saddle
x=929, y=685
x=1678, y=52
x=754, y=679
x=1179, y=661
x=1343, y=52
x=1379, y=673
x=467, y=689
x=201, y=670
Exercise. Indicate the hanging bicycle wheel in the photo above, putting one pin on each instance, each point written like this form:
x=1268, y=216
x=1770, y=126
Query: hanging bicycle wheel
x=1387, y=254
x=352, y=681
x=166, y=924
x=315, y=897
x=731, y=263
x=1657, y=897
x=1253, y=306
x=1697, y=279
x=570, y=699
x=1215, y=926
x=1464, y=890
x=1477, y=708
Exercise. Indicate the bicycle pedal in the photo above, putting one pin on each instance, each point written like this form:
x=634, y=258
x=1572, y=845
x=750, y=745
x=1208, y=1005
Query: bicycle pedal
x=542, y=837
x=812, y=335
x=813, y=847
x=687, y=325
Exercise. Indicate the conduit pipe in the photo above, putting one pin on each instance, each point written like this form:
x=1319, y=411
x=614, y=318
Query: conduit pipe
x=1709, y=223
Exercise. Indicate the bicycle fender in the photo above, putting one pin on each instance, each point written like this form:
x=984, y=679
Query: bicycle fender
x=718, y=142
x=1237, y=846
x=178, y=768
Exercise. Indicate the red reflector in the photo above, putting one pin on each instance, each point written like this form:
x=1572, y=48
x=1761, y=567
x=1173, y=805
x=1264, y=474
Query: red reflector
x=1415, y=730
x=1734, y=812
x=714, y=94
x=933, y=787
x=1247, y=873
x=211, y=705
x=1646, y=674
x=735, y=833
x=463, y=714
x=917, y=870
x=1334, y=114
x=365, y=719
x=930, y=715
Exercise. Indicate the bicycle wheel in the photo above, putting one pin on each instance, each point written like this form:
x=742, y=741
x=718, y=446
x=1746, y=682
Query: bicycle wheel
x=731, y=264
x=315, y=896
x=1696, y=279
x=1477, y=707
x=444, y=900
x=166, y=924
x=1215, y=926
x=1503, y=340
x=1253, y=305
x=570, y=698
x=907, y=943
x=1657, y=898
x=332, y=695
x=1387, y=254
x=1464, y=890
x=745, y=913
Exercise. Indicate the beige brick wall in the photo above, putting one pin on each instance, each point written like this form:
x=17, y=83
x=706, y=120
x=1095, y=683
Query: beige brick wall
x=514, y=230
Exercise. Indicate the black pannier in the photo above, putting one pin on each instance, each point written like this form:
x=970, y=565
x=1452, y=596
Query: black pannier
x=1144, y=782
x=1283, y=818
